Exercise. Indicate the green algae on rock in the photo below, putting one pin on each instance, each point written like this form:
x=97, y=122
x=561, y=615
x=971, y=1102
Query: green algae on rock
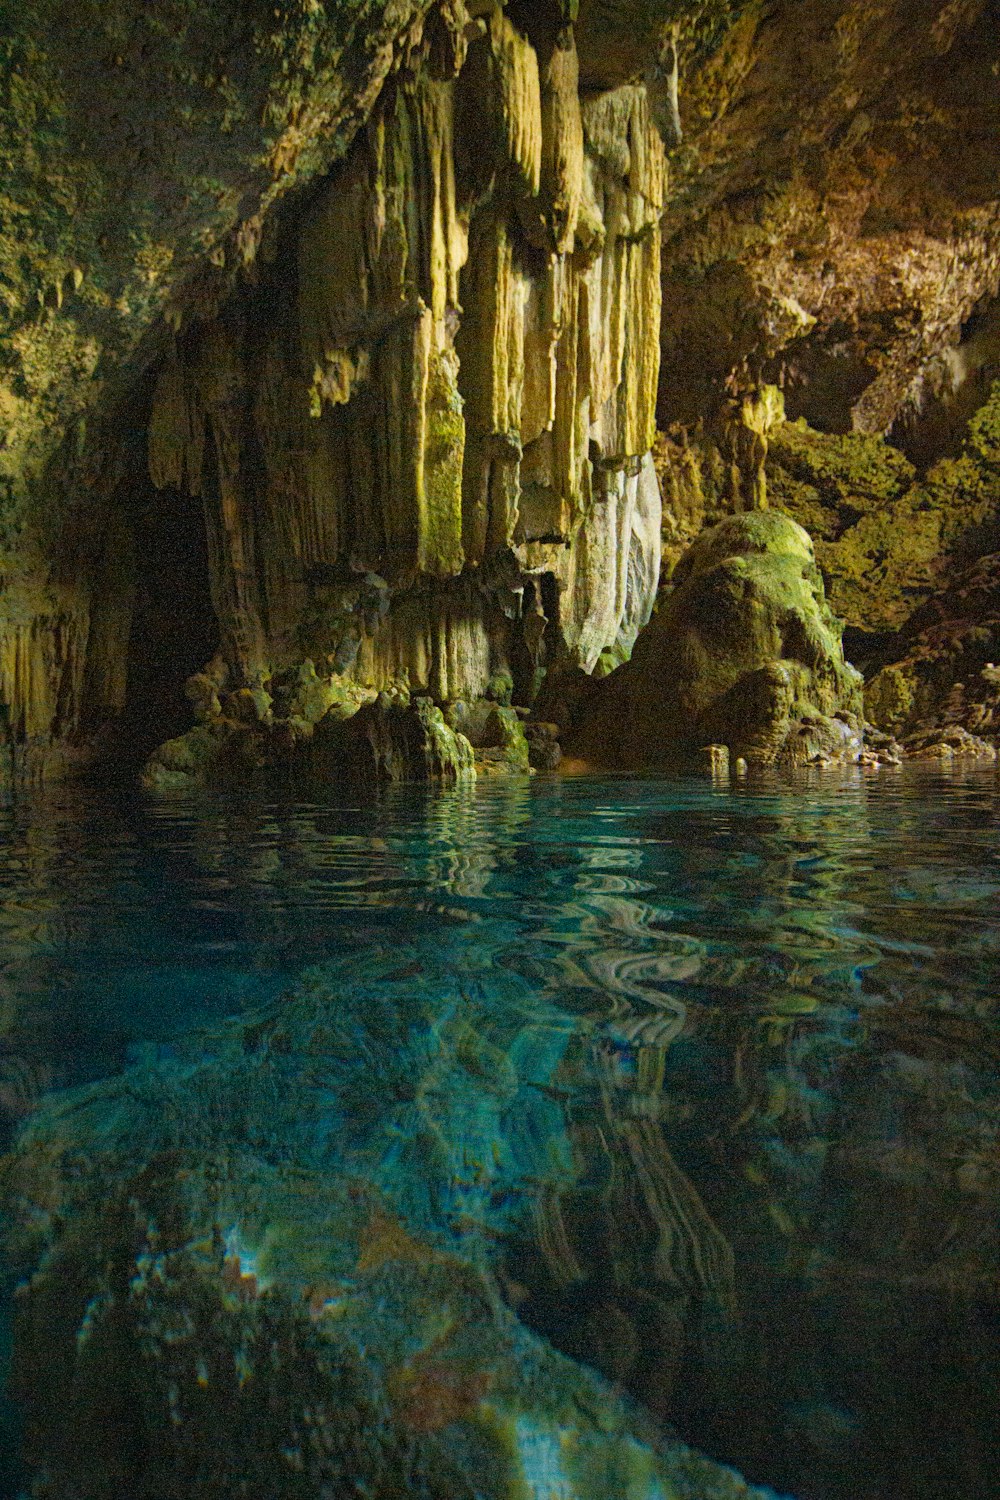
x=393, y=739
x=744, y=652
x=886, y=538
x=308, y=729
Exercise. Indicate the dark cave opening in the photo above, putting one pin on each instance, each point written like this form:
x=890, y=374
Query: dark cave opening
x=174, y=631
x=823, y=378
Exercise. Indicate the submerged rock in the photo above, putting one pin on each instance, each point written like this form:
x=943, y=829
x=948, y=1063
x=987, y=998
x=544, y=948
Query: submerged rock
x=744, y=653
x=266, y=1265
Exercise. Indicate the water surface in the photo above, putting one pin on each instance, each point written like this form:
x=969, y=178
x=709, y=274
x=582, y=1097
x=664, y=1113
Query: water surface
x=779, y=1092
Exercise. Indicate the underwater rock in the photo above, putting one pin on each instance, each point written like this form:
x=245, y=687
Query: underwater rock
x=266, y=1265
x=743, y=653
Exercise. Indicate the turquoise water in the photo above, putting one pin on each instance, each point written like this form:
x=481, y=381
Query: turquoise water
x=779, y=1004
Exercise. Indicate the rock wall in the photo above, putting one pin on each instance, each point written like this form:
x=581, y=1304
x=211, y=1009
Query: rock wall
x=142, y=152
x=445, y=388
x=418, y=419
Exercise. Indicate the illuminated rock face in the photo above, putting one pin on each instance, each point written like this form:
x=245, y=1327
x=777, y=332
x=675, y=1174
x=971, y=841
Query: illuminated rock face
x=446, y=381
x=435, y=387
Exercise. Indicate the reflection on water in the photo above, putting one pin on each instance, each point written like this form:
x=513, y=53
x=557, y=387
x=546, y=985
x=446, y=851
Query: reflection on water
x=753, y=1174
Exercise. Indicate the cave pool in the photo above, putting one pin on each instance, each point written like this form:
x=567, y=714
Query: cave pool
x=745, y=1161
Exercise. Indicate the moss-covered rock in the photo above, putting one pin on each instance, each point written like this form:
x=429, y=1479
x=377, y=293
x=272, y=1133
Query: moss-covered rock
x=744, y=652
x=503, y=745
x=885, y=538
x=877, y=537
x=252, y=735
x=393, y=739
x=140, y=149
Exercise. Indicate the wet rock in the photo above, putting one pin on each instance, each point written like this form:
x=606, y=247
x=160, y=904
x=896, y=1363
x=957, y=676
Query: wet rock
x=393, y=739
x=202, y=692
x=504, y=744
x=944, y=676
x=743, y=653
x=714, y=759
x=544, y=750
x=946, y=744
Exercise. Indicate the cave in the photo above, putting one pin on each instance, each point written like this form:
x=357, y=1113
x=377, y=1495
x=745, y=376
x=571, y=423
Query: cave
x=823, y=380
x=933, y=425
x=499, y=728
x=172, y=632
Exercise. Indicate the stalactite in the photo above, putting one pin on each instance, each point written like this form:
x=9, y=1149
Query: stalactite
x=176, y=430
x=43, y=654
x=462, y=370
x=500, y=102
x=550, y=221
x=439, y=640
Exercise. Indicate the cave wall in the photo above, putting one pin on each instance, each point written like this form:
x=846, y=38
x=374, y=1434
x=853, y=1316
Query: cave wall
x=377, y=287
x=142, y=151
x=414, y=393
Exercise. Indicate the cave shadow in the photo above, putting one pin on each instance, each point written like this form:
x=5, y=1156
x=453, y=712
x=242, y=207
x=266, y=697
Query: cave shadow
x=159, y=591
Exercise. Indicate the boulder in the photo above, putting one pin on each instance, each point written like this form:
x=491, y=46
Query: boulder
x=743, y=653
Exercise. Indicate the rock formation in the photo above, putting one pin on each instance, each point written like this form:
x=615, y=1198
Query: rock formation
x=331, y=337
x=416, y=404
x=451, y=390
x=371, y=375
x=744, y=653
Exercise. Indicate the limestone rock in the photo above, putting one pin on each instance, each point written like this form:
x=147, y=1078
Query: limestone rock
x=944, y=677
x=948, y=743
x=383, y=394
x=391, y=740
x=439, y=354
x=544, y=749
x=503, y=745
x=265, y=1315
x=455, y=404
x=743, y=653
x=831, y=265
